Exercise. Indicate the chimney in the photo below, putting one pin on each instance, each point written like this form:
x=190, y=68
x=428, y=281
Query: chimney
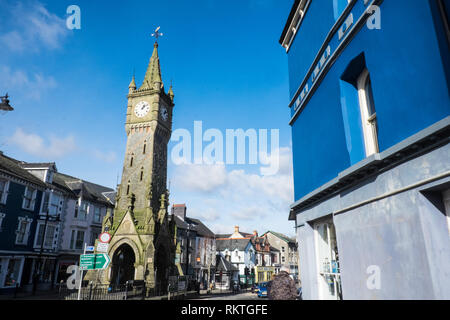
x=179, y=210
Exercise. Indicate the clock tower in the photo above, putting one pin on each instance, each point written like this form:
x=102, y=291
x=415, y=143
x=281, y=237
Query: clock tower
x=142, y=247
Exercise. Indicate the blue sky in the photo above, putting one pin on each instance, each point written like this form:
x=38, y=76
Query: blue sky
x=68, y=88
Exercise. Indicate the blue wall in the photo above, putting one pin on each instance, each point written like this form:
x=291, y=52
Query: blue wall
x=409, y=84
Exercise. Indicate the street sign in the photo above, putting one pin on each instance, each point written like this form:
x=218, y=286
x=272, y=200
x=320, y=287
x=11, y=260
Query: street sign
x=102, y=247
x=90, y=248
x=94, y=261
x=105, y=237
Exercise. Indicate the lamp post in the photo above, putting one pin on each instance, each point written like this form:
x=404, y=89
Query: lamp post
x=4, y=104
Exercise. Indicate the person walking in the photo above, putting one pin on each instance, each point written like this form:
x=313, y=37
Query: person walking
x=282, y=287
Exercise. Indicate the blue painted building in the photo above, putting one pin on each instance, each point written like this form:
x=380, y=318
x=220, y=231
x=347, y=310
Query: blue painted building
x=370, y=117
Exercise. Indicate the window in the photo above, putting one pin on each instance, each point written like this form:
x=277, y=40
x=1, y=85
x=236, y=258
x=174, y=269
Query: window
x=4, y=184
x=142, y=173
x=13, y=272
x=327, y=260
x=339, y=7
x=97, y=215
x=283, y=259
x=131, y=161
x=49, y=236
x=145, y=146
x=75, y=215
x=83, y=210
x=368, y=113
x=447, y=207
x=23, y=230
x=55, y=203
x=282, y=249
x=29, y=198
x=77, y=239
x=94, y=236
x=2, y=215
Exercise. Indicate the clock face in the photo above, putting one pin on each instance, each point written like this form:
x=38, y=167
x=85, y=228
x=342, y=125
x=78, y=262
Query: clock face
x=141, y=109
x=164, y=113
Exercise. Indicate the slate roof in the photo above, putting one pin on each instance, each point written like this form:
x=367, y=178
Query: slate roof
x=12, y=167
x=282, y=236
x=88, y=190
x=224, y=265
x=231, y=244
x=196, y=225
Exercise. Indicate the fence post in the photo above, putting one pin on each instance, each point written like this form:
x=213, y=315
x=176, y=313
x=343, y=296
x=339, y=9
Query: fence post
x=90, y=290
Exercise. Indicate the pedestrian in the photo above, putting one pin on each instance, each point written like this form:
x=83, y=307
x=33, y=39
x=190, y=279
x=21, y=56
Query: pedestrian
x=282, y=287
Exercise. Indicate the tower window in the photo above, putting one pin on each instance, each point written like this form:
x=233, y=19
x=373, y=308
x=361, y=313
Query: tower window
x=131, y=162
x=128, y=188
x=145, y=146
x=142, y=173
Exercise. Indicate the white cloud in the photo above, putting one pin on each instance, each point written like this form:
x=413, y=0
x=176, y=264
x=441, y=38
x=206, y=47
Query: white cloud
x=32, y=27
x=32, y=86
x=34, y=144
x=203, y=178
x=236, y=197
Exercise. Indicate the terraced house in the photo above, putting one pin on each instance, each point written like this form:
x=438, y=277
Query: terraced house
x=20, y=208
x=45, y=218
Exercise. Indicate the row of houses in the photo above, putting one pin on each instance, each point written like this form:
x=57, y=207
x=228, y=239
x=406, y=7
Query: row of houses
x=222, y=259
x=46, y=218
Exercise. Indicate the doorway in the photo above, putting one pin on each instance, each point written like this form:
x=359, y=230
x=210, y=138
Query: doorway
x=123, y=265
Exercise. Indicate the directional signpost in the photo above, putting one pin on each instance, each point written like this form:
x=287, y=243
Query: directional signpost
x=94, y=261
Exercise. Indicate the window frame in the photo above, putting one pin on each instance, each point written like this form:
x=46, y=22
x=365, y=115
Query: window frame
x=369, y=122
x=2, y=216
x=26, y=232
x=4, y=192
x=32, y=199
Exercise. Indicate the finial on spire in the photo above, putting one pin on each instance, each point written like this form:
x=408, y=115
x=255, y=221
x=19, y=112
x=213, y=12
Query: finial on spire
x=157, y=34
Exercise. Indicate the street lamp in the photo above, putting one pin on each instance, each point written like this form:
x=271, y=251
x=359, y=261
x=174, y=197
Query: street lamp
x=4, y=104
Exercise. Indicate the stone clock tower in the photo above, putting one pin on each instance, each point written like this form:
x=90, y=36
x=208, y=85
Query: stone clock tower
x=142, y=247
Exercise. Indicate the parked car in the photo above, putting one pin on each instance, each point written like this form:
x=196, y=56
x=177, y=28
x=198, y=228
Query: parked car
x=262, y=289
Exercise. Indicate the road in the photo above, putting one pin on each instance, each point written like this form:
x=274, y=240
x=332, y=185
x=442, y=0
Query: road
x=240, y=296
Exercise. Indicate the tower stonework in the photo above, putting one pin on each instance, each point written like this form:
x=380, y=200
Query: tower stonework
x=142, y=247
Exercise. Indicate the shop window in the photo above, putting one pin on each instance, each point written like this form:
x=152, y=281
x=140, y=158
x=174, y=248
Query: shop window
x=328, y=261
x=13, y=272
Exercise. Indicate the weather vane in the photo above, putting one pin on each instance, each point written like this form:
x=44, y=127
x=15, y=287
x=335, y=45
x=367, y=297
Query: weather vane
x=157, y=34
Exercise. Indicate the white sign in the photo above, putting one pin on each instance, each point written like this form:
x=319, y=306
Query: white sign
x=102, y=247
x=105, y=237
